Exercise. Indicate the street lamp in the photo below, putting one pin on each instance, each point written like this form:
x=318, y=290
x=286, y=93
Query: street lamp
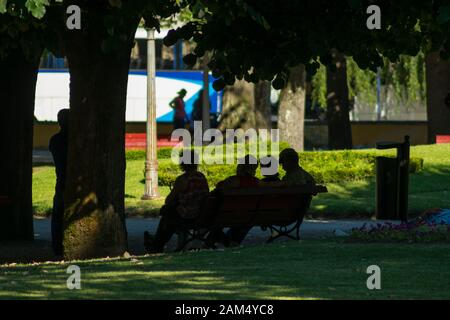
x=151, y=161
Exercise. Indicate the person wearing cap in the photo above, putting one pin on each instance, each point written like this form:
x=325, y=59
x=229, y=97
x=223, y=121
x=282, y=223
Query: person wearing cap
x=295, y=174
x=180, y=116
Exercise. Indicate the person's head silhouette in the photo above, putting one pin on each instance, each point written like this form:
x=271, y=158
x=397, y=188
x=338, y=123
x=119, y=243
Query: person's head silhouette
x=182, y=93
x=63, y=119
x=247, y=166
x=189, y=160
x=289, y=159
x=269, y=166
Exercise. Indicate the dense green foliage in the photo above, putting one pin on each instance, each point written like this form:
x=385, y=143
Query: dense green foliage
x=262, y=40
x=325, y=166
x=405, y=78
x=21, y=27
x=166, y=152
x=19, y=17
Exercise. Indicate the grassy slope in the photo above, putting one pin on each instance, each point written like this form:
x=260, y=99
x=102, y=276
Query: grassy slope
x=356, y=198
x=314, y=269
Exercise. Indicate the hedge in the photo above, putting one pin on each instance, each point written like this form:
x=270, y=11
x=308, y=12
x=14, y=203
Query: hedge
x=325, y=166
x=166, y=152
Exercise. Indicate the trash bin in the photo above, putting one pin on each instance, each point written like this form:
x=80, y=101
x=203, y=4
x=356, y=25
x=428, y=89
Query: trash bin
x=393, y=182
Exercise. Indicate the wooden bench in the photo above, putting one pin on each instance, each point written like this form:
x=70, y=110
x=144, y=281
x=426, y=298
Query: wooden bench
x=280, y=209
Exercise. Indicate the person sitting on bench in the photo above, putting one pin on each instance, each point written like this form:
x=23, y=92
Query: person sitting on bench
x=269, y=169
x=182, y=205
x=295, y=174
x=245, y=175
x=244, y=178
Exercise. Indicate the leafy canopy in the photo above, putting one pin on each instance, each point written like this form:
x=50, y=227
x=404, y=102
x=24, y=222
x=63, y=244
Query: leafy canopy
x=262, y=39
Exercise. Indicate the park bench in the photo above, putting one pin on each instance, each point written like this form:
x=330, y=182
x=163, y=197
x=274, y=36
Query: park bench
x=280, y=209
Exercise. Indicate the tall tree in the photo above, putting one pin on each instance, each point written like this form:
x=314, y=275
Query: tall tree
x=17, y=85
x=238, y=106
x=21, y=45
x=339, y=127
x=438, y=88
x=99, y=57
x=94, y=196
x=247, y=105
x=263, y=108
x=291, y=112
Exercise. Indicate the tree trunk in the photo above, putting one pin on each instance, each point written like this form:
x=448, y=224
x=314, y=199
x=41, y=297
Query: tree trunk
x=291, y=113
x=438, y=87
x=263, y=111
x=94, y=219
x=18, y=76
x=238, y=106
x=339, y=127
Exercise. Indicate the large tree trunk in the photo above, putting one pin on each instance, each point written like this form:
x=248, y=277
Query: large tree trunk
x=339, y=127
x=291, y=113
x=438, y=87
x=263, y=111
x=246, y=105
x=18, y=75
x=94, y=219
x=238, y=106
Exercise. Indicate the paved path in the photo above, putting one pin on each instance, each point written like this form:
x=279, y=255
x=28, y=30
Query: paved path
x=137, y=226
x=40, y=249
x=42, y=156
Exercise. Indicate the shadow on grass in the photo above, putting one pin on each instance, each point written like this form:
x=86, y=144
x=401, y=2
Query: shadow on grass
x=312, y=269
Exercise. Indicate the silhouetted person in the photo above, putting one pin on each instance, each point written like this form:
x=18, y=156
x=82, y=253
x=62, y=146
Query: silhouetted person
x=295, y=174
x=245, y=175
x=182, y=205
x=58, y=148
x=197, y=110
x=244, y=178
x=267, y=163
x=179, y=117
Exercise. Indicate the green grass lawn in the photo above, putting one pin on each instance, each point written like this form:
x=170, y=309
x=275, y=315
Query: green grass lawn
x=313, y=269
x=428, y=189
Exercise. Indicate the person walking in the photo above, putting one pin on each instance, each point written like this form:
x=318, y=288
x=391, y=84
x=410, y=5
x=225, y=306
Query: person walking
x=179, y=117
